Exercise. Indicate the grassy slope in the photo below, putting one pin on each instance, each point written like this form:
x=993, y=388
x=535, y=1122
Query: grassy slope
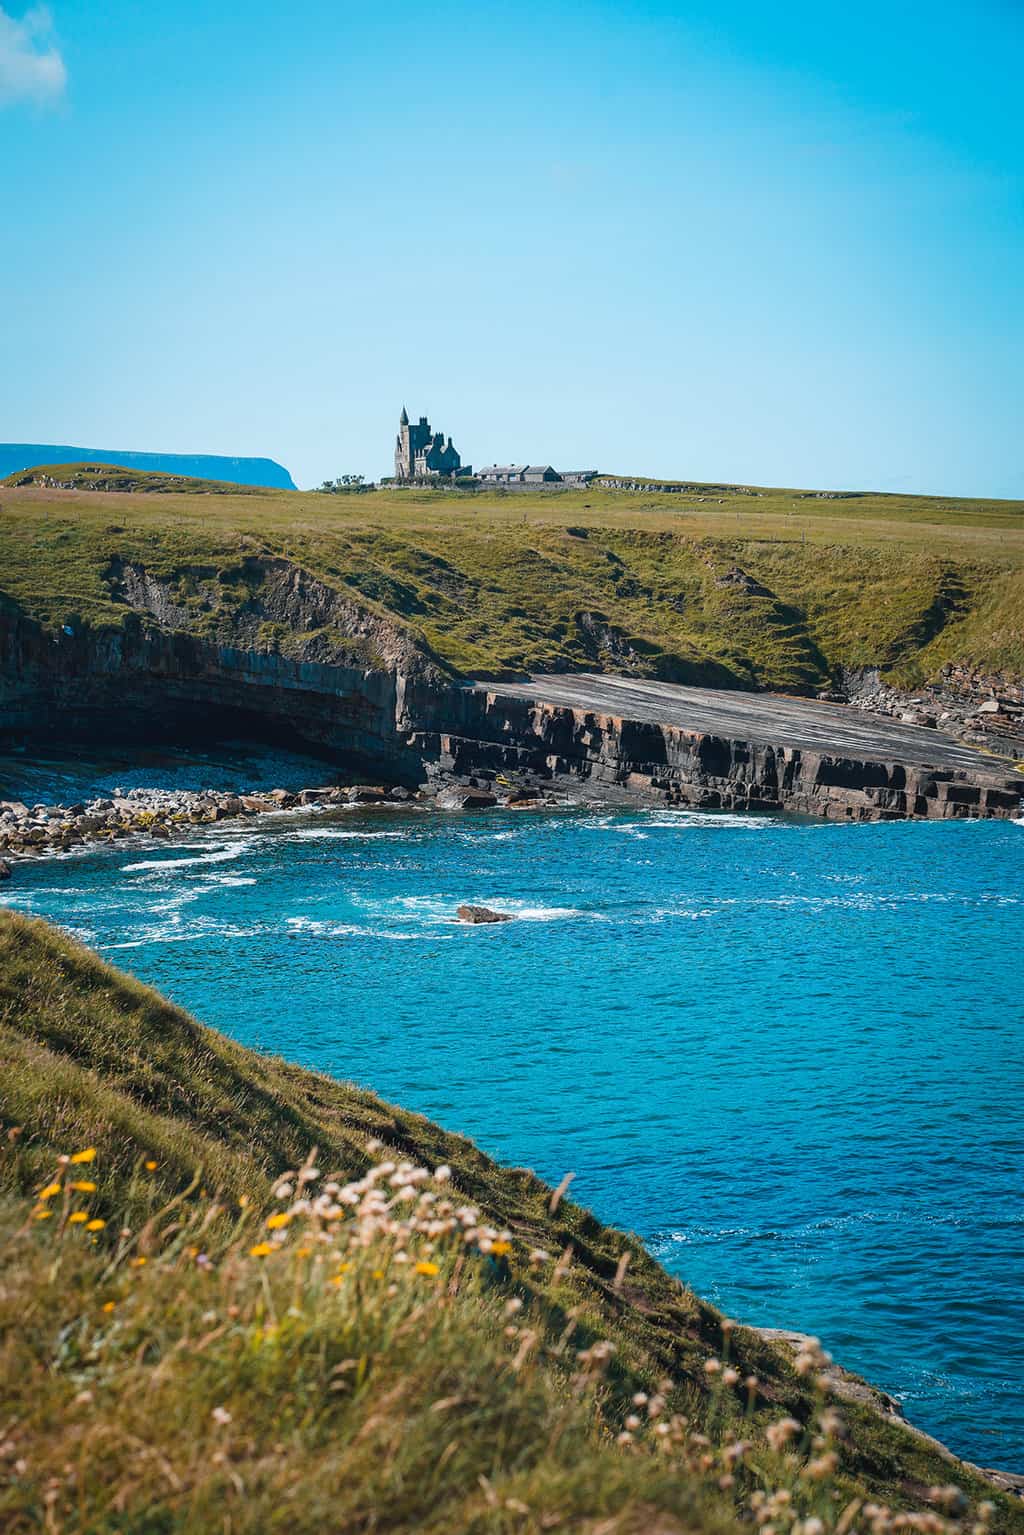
x=495, y=582
x=352, y=1407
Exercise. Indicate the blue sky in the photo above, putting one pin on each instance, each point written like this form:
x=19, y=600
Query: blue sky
x=780, y=244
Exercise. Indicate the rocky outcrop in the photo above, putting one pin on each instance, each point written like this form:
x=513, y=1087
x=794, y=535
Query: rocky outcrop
x=481, y=915
x=608, y=757
x=983, y=708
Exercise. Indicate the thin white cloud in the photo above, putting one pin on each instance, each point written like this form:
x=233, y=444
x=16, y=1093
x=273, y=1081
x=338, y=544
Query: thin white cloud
x=31, y=67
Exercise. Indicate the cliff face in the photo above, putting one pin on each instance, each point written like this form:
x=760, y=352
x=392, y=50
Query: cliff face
x=281, y=653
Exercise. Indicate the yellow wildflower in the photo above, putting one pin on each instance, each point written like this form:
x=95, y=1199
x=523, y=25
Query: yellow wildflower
x=244, y=1202
x=88, y=1155
x=303, y=1252
x=151, y=1167
x=138, y=1263
x=95, y=1225
x=501, y=1248
x=41, y=1215
x=423, y=1267
x=378, y=1273
x=77, y=1216
x=109, y=1305
x=275, y=1222
x=50, y=1190
x=261, y=1250
x=84, y=1186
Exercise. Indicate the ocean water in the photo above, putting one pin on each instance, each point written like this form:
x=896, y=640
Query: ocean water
x=788, y=1055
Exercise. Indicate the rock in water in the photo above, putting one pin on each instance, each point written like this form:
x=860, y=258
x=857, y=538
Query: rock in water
x=5, y=871
x=482, y=914
x=466, y=799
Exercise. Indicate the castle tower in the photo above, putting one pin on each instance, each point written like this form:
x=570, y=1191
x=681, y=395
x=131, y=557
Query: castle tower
x=410, y=441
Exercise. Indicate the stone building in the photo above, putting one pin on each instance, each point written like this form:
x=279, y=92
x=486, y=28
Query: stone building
x=421, y=454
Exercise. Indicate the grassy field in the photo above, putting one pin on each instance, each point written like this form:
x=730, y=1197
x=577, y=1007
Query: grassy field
x=775, y=588
x=201, y=1330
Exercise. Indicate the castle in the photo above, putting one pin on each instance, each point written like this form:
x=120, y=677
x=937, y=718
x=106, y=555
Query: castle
x=421, y=454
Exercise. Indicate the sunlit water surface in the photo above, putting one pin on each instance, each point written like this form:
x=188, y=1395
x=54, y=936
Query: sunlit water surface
x=788, y=1055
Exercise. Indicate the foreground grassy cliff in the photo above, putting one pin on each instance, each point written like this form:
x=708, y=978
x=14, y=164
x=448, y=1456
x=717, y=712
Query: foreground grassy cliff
x=199, y=1329
x=727, y=585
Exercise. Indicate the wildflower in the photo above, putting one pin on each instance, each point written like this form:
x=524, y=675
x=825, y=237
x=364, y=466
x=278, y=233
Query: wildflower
x=83, y=1399
x=151, y=1167
x=276, y=1222
x=303, y=1252
x=81, y=1185
x=501, y=1248
x=50, y=1190
x=513, y=1305
x=442, y=1174
x=779, y=1434
x=95, y=1225
x=378, y=1274
x=109, y=1305
x=261, y=1250
x=633, y=1422
x=640, y=1399
x=138, y=1263
x=221, y=1415
x=244, y=1202
x=77, y=1216
x=41, y=1215
x=423, y=1267
x=88, y=1155
x=712, y=1366
x=374, y=1145
x=822, y=1467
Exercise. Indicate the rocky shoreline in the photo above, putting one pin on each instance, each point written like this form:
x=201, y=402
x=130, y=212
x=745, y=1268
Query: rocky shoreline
x=41, y=830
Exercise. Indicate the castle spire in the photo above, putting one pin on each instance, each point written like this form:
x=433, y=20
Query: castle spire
x=403, y=419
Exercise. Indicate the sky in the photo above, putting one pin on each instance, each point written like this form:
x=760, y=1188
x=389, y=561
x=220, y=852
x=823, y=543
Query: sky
x=771, y=244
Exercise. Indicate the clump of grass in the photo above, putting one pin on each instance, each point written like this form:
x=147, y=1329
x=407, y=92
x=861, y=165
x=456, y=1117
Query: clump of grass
x=365, y=1354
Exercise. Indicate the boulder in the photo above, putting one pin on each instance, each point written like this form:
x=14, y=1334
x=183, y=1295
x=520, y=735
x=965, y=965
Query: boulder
x=282, y=798
x=990, y=706
x=477, y=914
x=5, y=870
x=160, y=829
x=314, y=796
x=366, y=794
x=466, y=799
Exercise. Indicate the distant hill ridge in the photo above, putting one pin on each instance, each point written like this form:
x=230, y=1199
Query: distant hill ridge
x=16, y=456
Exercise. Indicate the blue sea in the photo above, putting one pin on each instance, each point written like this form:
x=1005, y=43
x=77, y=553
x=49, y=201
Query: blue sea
x=788, y=1055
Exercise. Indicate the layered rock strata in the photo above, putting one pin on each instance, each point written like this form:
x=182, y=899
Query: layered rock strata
x=290, y=658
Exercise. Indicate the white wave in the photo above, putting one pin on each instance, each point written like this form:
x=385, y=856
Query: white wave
x=342, y=834
x=324, y=928
x=225, y=854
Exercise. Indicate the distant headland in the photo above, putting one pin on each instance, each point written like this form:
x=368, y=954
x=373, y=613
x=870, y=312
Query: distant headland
x=15, y=456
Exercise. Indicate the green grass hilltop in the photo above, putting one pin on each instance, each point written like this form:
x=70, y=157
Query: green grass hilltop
x=730, y=585
x=199, y=1330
